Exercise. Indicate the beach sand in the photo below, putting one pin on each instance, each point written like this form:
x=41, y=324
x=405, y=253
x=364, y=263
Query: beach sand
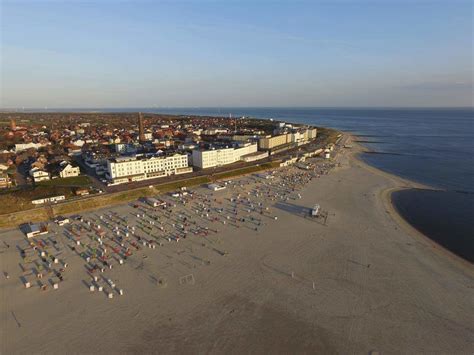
x=362, y=282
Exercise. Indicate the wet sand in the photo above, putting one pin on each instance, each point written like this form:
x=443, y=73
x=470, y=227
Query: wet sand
x=363, y=281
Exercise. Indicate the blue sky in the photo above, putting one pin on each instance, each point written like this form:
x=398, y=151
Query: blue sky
x=236, y=53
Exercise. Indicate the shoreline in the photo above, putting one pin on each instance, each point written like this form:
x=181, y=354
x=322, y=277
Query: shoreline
x=294, y=284
x=385, y=196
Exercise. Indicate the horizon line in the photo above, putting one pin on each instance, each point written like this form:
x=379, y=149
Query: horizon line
x=68, y=109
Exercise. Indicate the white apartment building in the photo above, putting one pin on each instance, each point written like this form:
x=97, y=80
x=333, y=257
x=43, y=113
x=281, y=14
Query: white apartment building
x=245, y=150
x=214, y=131
x=270, y=142
x=204, y=159
x=127, y=169
x=311, y=133
x=295, y=137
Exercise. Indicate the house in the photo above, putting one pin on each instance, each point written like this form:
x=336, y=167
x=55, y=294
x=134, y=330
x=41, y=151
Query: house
x=5, y=180
x=40, y=162
x=39, y=175
x=67, y=170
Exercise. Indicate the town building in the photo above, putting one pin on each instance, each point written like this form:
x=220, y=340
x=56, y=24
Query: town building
x=39, y=175
x=269, y=142
x=25, y=146
x=125, y=148
x=214, y=131
x=210, y=158
x=296, y=137
x=244, y=137
x=4, y=180
x=134, y=168
x=248, y=158
x=311, y=133
x=67, y=170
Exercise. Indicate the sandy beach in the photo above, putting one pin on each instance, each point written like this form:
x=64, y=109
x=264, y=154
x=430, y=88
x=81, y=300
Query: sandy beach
x=358, y=281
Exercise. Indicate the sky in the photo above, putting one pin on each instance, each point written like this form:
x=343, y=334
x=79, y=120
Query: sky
x=112, y=53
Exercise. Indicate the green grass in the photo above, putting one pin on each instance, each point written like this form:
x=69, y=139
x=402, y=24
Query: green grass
x=17, y=218
x=184, y=183
x=327, y=135
x=20, y=199
x=100, y=201
x=81, y=180
x=25, y=212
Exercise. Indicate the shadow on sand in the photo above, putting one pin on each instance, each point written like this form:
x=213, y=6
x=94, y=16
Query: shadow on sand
x=292, y=208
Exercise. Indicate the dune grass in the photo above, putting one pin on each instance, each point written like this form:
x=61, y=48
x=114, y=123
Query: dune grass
x=78, y=181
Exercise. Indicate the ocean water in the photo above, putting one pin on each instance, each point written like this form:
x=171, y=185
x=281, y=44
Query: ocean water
x=434, y=147
x=446, y=217
x=431, y=146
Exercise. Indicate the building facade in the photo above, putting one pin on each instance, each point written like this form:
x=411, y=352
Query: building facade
x=39, y=175
x=272, y=142
x=67, y=170
x=311, y=133
x=128, y=169
x=210, y=158
x=254, y=156
x=25, y=146
x=4, y=180
x=296, y=137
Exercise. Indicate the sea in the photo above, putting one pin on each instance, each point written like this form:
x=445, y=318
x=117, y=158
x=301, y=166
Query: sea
x=434, y=147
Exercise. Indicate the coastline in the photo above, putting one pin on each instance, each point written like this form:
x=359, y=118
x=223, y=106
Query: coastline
x=385, y=196
x=294, y=286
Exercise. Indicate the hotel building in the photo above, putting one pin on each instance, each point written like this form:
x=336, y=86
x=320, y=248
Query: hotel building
x=128, y=169
x=210, y=158
x=272, y=142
